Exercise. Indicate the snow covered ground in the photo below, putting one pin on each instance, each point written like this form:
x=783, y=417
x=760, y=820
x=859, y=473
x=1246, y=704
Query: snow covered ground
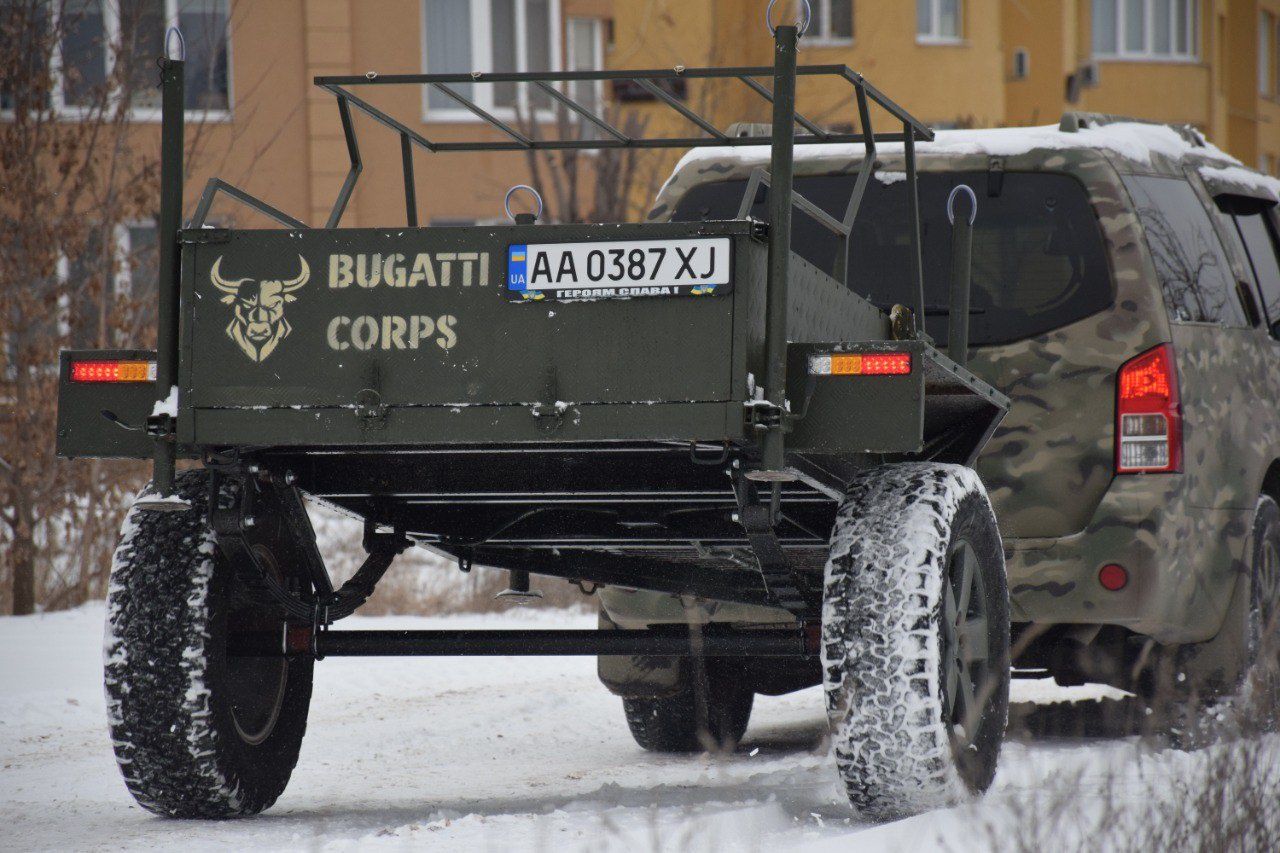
x=501, y=754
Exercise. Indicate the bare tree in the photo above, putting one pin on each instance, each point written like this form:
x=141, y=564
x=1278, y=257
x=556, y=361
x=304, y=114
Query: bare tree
x=75, y=176
x=607, y=185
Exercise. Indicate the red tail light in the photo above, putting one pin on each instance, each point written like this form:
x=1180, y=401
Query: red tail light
x=1149, y=414
x=113, y=371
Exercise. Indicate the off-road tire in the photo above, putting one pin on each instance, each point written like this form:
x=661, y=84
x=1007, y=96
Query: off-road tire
x=1197, y=692
x=180, y=743
x=708, y=713
x=894, y=546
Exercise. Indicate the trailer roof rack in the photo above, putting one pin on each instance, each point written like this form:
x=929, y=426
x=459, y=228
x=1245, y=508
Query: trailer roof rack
x=656, y=82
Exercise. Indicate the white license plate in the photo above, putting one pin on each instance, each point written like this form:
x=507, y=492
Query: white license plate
x=694, y=266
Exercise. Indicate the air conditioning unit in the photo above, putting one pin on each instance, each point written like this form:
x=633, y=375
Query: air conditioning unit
x=1090, y=74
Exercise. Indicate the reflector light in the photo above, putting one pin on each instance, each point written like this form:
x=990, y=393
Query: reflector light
x=1113, y=577
x=113, y=371
x=1149, y=414
x=861, y=364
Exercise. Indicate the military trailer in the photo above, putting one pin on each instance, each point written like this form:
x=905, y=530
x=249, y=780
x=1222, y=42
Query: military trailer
x=688, y=414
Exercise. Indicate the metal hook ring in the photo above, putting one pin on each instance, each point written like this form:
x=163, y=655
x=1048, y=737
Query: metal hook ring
x=182, y=44
x=506, y=201
x=951, y=203
x=803, y=27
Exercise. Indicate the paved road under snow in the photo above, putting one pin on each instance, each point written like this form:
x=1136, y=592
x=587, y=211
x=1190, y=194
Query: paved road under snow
x=467, y=754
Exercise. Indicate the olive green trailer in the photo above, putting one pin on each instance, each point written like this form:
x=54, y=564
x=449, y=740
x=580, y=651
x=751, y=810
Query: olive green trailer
x=678, y=412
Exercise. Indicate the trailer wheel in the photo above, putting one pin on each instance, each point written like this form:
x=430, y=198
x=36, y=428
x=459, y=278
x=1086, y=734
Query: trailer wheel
x=707, y=713
x=197, y=733
x=915, y=639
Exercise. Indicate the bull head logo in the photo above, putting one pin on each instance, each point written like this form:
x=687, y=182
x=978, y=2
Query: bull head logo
x=258, y=323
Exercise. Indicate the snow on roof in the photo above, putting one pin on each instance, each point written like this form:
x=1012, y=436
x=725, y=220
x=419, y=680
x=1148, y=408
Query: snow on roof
x=1133, y=140
x=1266, y=184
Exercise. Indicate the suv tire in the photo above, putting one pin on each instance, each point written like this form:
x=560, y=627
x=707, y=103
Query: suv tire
x=709, y=711
x=915, y=589
x=197, y=733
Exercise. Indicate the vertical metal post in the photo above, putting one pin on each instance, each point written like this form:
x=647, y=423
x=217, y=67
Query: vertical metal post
x=780, y=189
x=913, y=212
x=172, y=119
x=961, y=274
x=410, y=194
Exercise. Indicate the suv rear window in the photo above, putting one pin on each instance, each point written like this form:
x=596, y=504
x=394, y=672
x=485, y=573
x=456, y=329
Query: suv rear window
x=1188, y=255
x=1038, y=258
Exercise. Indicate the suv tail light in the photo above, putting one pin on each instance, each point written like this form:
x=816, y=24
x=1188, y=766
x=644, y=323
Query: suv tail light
x=1149, y=414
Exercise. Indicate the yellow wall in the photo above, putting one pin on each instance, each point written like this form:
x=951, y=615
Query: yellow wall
x=284, y=142
x=1218, y=92
x=943, y=84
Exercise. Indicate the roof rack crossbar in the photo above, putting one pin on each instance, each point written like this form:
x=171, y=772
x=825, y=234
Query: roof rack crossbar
x=217, y=185
x=922, y=131
x=353, y=173
x=379, y=116
x=659, y=92
x=649, y=80
x=760, y=177
x=582, y=111
x=672, y=142
x=525, y=142
x=711, y=72
x=756, y=86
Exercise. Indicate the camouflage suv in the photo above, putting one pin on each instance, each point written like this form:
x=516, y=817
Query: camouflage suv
x=1126, y=296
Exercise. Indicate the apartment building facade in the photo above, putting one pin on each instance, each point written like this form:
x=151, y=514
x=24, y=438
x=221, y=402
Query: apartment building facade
x=258, y=122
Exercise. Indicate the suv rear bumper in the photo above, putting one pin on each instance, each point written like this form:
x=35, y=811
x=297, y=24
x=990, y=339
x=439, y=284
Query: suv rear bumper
x=1182, y=562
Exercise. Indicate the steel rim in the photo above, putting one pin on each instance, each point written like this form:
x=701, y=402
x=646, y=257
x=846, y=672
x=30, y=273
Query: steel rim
x=1266, y=595
x=965, y=646
x=256, y=685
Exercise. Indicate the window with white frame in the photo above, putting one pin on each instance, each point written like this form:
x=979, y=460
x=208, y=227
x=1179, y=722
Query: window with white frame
x=489, y=35
x=1146, y=29
x=584, y=51
x=939, y=21
x=111, y=46
x=832, y=21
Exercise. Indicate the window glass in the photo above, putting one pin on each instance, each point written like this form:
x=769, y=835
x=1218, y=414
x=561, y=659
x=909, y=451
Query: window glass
x=1259, y=239
x=28, y=30
x=502, y=23
x=1038, y=256
x=924, y=17
x=949, y=18
x=87, y=274
x=537, y=19
x=585, y=38
x=84, y=55
x=204, y=25
x=1145, y=28
x=1160, y=27
x=938, y=19
x=1193, y=270
x=1135, y=25
x=841, y=22
x=1104, y=26
x=142, y=28
x=139, y=273
x=448, y=26
x=1182, y=16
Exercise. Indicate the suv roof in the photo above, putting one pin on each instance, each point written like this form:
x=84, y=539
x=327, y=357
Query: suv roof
x=1128, y=144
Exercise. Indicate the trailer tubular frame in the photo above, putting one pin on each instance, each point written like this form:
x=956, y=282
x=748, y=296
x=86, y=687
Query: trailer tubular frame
x=667, y=641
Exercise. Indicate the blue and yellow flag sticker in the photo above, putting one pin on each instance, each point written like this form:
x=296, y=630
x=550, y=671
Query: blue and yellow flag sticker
x=517, y=268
